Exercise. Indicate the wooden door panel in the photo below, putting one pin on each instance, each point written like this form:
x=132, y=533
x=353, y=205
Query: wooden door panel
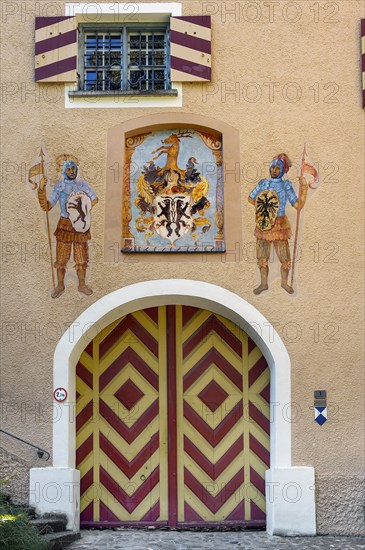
x=223, y=423
x=121, y=439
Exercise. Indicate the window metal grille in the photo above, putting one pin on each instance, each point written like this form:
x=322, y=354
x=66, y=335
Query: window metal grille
x=126, y=60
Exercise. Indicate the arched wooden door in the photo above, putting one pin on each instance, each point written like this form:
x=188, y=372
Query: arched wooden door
x=172, y=424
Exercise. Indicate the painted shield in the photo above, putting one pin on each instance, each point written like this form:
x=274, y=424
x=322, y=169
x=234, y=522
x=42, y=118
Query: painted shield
x=173, y=217
x=79, y=209
x=267, y=206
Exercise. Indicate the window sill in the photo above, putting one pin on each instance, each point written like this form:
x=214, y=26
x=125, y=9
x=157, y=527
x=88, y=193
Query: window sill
x=147, y=93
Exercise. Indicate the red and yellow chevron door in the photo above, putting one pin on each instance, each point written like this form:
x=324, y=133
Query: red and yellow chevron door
x=223, y=421
x=172, y=422
x=121, y=422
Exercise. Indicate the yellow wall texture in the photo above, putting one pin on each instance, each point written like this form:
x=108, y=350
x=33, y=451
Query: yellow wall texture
x=289, y=74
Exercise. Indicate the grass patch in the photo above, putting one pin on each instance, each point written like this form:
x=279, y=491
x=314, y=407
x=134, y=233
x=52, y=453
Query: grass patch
x=15, y=531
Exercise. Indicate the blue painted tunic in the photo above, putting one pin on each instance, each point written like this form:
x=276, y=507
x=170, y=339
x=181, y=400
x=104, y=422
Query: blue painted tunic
x=64, y=188
x=283, y=188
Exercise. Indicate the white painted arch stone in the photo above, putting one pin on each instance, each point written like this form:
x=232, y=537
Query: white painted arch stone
x=290, y=491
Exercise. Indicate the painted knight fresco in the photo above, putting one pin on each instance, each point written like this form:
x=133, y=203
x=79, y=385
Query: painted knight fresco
x=270, y=198
x=76, y=199
x=168, y=208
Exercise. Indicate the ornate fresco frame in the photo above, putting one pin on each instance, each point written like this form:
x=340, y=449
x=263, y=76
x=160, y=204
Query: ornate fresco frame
x=214, y=142
x=118, y=173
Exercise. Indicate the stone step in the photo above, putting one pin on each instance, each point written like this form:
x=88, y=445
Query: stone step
x=50, y=524
x=19, y=508
x=58, y=541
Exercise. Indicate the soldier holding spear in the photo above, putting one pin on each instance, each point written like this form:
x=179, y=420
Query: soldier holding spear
x=76, y=198
x=272, y=226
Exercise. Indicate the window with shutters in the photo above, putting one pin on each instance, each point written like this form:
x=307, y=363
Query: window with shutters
x=125, y=59
x=99, y=56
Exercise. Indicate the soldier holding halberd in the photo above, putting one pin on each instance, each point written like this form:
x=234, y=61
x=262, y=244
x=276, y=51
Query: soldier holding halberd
x=272, y=226
x=76, y=198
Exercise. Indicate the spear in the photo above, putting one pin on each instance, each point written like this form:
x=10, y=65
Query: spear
x=308, y=168
x=298, y=218
x=42, y=172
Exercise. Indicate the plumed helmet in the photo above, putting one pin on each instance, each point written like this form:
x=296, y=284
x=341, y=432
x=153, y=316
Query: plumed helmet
x=283, y=161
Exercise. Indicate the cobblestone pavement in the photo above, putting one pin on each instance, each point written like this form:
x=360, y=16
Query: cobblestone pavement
x=188, y=540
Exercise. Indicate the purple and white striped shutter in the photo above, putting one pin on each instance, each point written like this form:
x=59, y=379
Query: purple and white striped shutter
x=363, y=60
x=55, y=49
x=190, y=49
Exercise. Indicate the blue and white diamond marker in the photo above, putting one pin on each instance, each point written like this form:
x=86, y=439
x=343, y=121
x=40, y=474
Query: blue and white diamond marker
x=320, y=415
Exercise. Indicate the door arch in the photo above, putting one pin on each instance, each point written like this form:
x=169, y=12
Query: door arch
x=281, y=518
x=165, y=292
x=172, y=422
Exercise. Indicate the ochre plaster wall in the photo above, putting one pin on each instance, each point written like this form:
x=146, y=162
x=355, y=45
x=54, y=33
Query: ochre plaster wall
x=321, y=325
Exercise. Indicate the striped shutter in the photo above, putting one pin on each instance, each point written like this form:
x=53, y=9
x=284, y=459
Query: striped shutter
x=190, y=49
x=55, y=49
x=363, y=60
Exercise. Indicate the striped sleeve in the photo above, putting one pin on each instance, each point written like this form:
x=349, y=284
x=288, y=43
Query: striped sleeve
x=55, y=49
x=190, y=43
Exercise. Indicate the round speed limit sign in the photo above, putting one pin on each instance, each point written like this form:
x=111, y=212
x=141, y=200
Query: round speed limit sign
x=60, y=394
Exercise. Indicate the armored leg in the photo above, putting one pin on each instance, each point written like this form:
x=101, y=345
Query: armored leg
x=63, y=253
x=263, y=254
x=283, y=252
x=81, y=257
x=60, y=288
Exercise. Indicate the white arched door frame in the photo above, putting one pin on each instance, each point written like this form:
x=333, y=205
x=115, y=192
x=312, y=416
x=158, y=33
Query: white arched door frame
x=203, y=295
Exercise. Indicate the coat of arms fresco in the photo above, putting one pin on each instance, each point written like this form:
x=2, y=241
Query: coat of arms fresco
x=173, y=192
